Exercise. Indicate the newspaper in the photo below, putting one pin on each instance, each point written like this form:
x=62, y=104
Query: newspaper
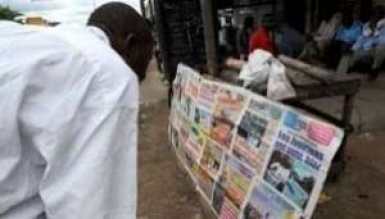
x=249, y=157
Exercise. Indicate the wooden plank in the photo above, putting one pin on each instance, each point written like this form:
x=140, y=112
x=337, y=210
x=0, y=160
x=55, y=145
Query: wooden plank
x=322, y=91
x=309, y=82
x=210, y=39
x=322, y=75
x=299, y=79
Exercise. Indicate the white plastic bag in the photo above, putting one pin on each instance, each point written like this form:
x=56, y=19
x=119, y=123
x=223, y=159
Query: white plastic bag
x=263, y=68
x=257, y=69
x=279, y=86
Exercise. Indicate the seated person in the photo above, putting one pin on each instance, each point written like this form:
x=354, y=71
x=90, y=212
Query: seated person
x=316, y=44
x=243, y=37
x=262, y=37
x=227, y=37
x=289, y=41
x=345, y=38
x=327, y=31
x=379, y=52
x=349, y=32
x=369, y=49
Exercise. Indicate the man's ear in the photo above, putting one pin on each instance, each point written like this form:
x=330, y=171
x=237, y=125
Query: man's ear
x=128, y=42
x=136, y=53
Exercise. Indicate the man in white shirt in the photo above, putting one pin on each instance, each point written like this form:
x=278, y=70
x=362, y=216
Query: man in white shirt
x=68, y=116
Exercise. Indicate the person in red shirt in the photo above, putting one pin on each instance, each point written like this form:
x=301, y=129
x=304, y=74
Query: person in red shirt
x=262, y=37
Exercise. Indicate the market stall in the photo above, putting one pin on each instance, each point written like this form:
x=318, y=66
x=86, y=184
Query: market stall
x=313, y=83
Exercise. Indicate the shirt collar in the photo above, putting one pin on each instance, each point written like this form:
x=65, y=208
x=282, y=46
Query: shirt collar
x=100, y=34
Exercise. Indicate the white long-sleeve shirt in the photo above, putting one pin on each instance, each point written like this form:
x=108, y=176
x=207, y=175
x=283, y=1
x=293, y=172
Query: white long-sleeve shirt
x=68, y=125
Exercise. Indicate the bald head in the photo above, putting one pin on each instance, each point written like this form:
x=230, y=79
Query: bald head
x=129, y=33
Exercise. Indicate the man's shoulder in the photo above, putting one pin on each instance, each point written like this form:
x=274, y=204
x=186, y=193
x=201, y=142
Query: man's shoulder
x=112, y=78
x=96, y=51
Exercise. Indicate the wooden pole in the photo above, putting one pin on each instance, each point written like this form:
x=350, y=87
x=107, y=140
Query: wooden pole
x=143, y=8
x=316, y=20
x=275, y=15
x=207, y=8
x=308, y=16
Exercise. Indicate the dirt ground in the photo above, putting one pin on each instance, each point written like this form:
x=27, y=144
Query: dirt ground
x=165, y=191
x=360, y=192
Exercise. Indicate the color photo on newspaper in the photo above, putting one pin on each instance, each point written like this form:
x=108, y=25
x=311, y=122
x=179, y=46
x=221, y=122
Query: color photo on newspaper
x=249, y=157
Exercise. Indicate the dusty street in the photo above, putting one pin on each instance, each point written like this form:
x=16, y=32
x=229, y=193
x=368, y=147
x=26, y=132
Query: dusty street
x=360, y=193
x=165, y=192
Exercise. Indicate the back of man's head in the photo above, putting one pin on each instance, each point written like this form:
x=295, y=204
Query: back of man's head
x=128, y=32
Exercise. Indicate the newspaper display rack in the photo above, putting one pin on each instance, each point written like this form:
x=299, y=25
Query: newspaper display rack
x=249, y=157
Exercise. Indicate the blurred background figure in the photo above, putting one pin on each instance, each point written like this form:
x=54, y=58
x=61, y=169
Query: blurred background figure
x=321, y=39
x=346, y=36
x=262, y=38
x=368, y=51
x=243, y=37
x=228, y=37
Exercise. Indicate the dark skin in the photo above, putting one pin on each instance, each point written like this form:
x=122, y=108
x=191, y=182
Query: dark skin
x=128, y=32
x=136, y=53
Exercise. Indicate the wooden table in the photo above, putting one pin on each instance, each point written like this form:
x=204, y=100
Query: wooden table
x=312, y=83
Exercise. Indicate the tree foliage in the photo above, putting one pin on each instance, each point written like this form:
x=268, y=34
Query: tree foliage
x=7, y=14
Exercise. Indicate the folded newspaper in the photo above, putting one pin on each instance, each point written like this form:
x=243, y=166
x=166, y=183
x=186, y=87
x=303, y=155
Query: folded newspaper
x=249, y=157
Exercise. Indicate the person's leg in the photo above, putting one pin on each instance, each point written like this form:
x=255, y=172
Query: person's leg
x=359, y=56
x=379, y=57
x=378, y=61
x=346, y=58
x=307, y=52
x=322, y=46
x=344, y=65
x=334, y=54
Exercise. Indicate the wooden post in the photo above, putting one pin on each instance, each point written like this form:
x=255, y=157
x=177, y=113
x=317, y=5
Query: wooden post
x=160, y=27
x=142, y=7
x=275, y=15
x=316, y=17
x=338, y=165
x=308, y=16
x=207, y=8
